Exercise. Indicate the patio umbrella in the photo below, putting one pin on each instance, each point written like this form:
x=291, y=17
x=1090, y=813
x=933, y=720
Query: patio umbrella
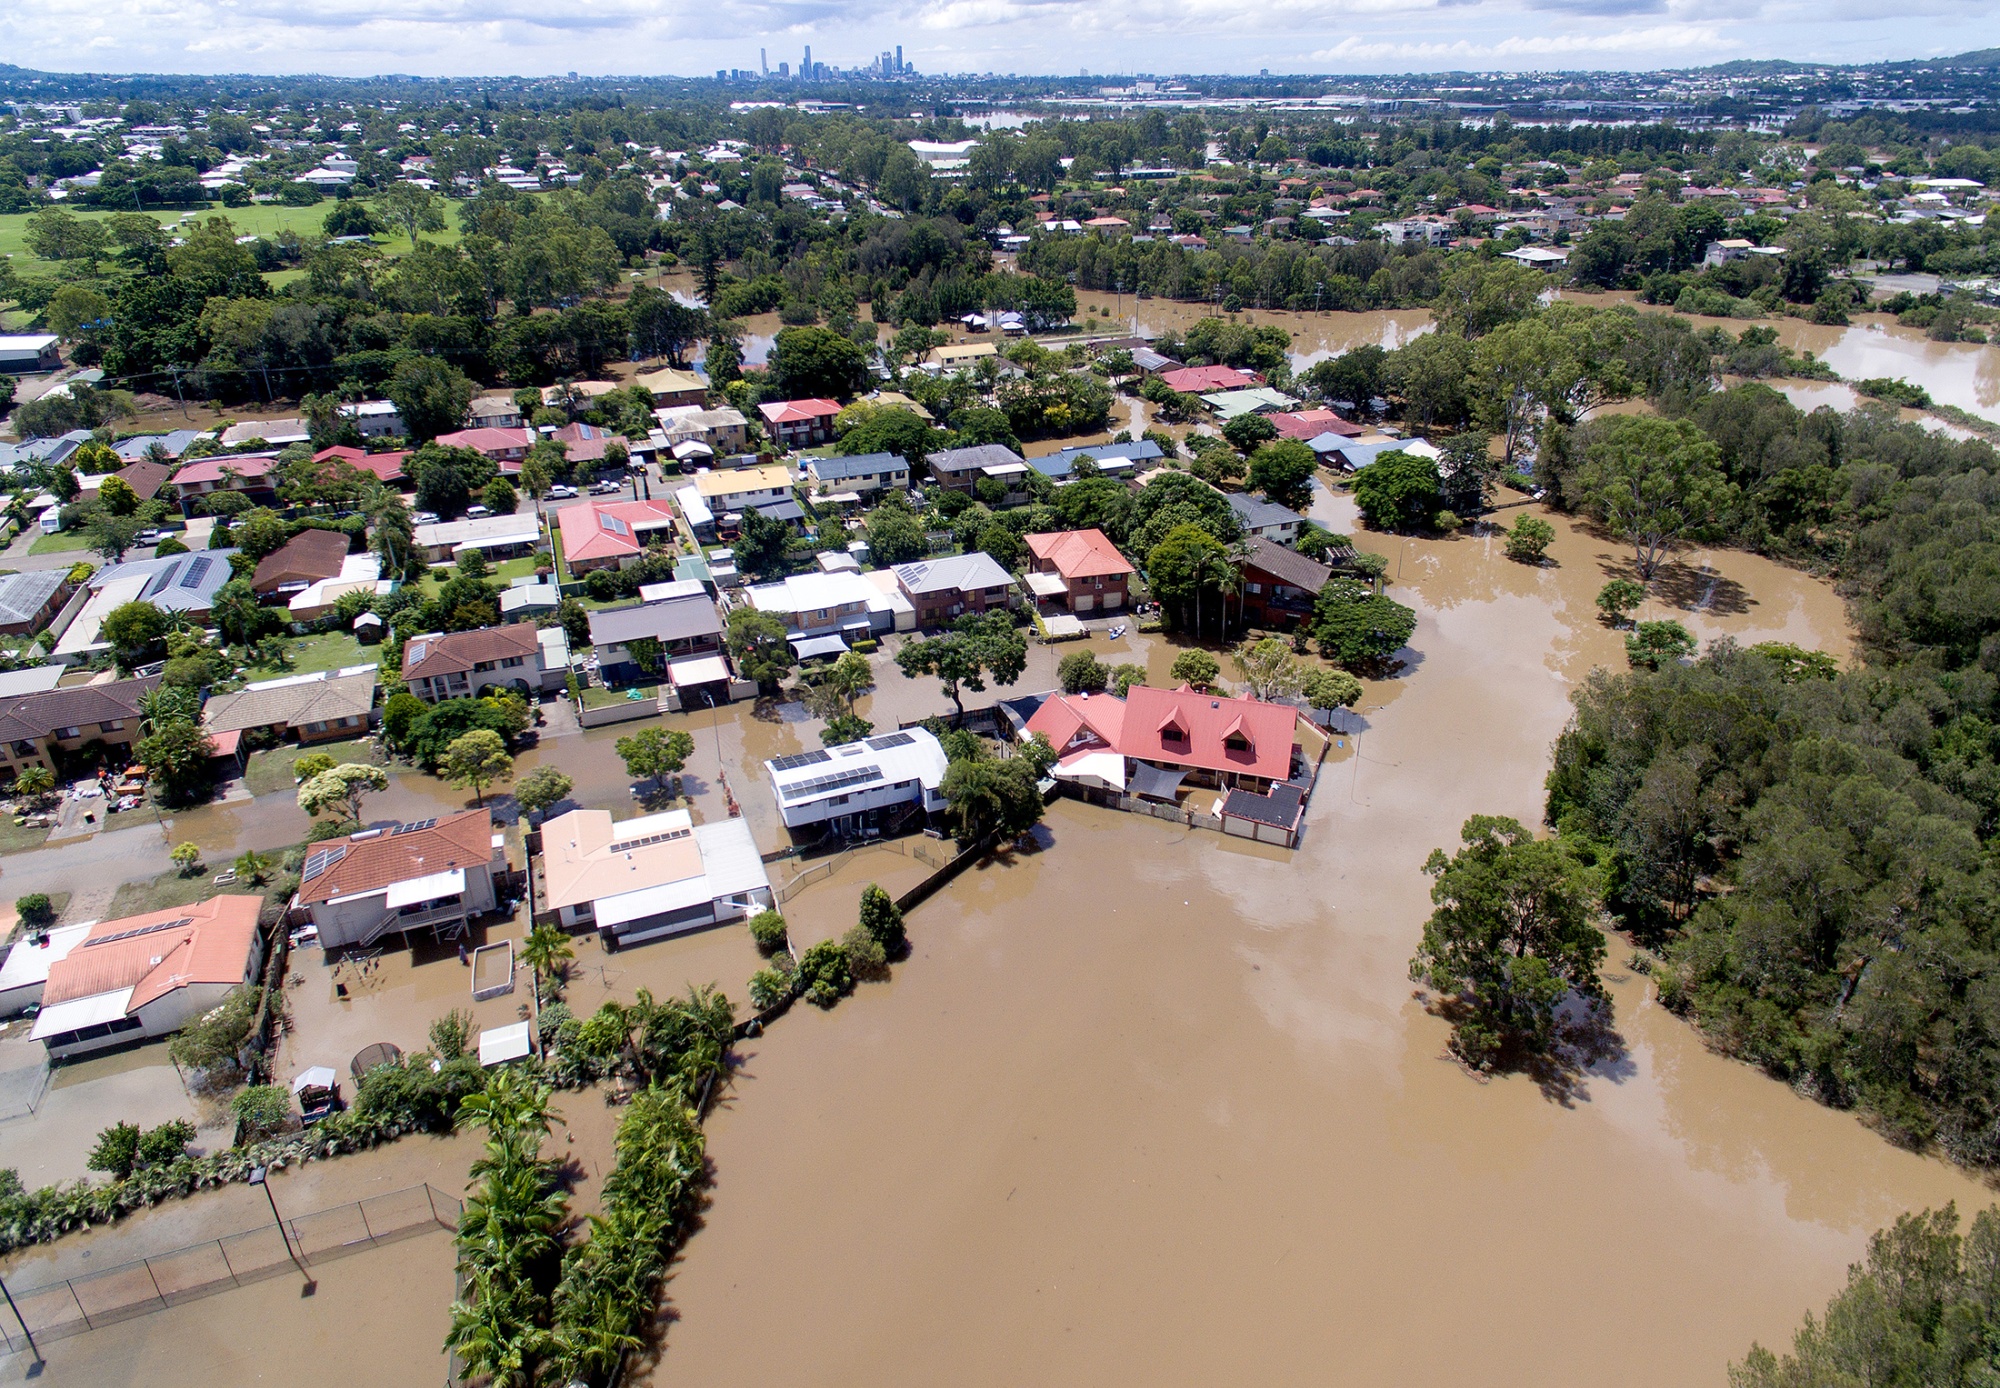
x=368, y=1057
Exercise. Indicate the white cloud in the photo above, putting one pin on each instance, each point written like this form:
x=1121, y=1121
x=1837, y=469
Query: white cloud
x=1662, y=38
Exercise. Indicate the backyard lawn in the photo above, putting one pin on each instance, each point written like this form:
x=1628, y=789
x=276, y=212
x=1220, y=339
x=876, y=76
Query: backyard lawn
x=272, y=771
x=64, y=542
x=598, y=698
x=325, y=650
x=173, y=889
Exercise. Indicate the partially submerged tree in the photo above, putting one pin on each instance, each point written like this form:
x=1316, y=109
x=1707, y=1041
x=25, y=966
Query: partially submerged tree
x=977, y=648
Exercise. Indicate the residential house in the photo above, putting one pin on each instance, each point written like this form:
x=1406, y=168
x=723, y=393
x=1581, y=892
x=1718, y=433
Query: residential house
x=458, y=664
x=145, y=477
x=681, y=627
x=728, y=491
x=1306, y=425
x=1539, y=257
x=528, y=599
x=1280, y=586
x=322, y=707
x=386, y=468
x=1153, y=741
x=859, y=785
x=504, y=446
x=1351, y=455
x=169, y=445
x=375, y=419
x=650, y=877
x=959, y=469
x=943, y=590
x=140, y=977
x=28, y=354
x=1233, y=404
x=863, y=473
x=1112, y=459
x=307, y=558
x=1281, y=525
x=173, y=583
x=359, y=573
x=841, y=604
x=248, y=473
x=430, y=877
x=800, y=423
x=1079, y=570
x=671, y=387
x=612, y=534
x=494, y=412
x=1206, y=380
x=956, y=356
x=500, y=537
x=50, y=728
x=723, y=431
x=1151, y=363
x=30, y=601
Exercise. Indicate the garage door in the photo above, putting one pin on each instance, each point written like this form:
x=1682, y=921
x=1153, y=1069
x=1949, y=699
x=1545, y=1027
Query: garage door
x=1084, y=602
x=1112, y=600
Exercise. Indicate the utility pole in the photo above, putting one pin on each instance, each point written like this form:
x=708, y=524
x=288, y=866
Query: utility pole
x=33, y=1348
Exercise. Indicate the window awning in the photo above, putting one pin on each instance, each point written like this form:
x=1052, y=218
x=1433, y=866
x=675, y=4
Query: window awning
x=427, y=888
x=1153, y=782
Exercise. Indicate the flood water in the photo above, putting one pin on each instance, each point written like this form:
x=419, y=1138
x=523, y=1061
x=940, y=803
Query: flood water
x=1152, y=1106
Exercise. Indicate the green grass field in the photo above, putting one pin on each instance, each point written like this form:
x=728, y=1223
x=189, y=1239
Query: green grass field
x=326, y=650
x=62, y=542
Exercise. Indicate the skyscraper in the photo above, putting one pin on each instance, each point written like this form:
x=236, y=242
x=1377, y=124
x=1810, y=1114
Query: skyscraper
x=806, y=68
x=899, y=58
x=763, y=66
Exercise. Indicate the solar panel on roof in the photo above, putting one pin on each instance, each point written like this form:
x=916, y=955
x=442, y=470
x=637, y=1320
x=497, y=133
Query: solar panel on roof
x=888, y=740
x=159, y=581
x=798, y=760
x=319, y=862
x=819, y=784
x=196, y=572
x=142, y=930
x=413, y=826
x=615, y=525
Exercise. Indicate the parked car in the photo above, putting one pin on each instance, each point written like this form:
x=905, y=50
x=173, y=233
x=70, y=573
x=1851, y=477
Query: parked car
x=561, y=493
x=423, y=518
x=477, y=512
x=147, y=537
x=604, y=488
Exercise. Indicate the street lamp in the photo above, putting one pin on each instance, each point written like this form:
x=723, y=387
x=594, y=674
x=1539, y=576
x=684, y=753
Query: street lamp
x=35, y=1369
x=258, y=1177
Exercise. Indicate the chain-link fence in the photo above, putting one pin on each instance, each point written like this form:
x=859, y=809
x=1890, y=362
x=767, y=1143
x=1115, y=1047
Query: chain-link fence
x=78, y=1304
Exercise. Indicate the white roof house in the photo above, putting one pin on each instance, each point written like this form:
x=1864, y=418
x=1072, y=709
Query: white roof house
x=811, y=603
x=488, y=532
x=858, y=782
x=28, y=964
x=661, y=874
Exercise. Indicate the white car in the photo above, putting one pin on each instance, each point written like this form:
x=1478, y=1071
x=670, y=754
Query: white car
x=423, y=518
x=477, y=512
x=560, y=493
x=605, y=488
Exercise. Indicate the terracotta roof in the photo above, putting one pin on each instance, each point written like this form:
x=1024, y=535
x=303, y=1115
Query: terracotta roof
x=597, y=529
x=1202, y=380
x=797, y=411
x=251, y=467
x=37, y=715
x=1287, y=566
x=379, y=858
x=307, y=557
x=489, y=440
x=387, y=467
x=1079, y=553
x=208, y=942
x=1305, y=425
x=1091, y=719
x=452, y=652
x=583, y=859
x=1207, y=720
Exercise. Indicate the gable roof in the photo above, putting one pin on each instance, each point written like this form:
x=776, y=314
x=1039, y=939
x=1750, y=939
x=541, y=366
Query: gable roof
x=1109, y=457
x=1287, y=566
x=294, y=702
x=1087, y=720
x=1079, y=553
x=37, y=715
x=797, y=411
x=1253, y=511
x=386, y=467
x=153, y=954
x=1305, y=425
x=375, y=859
x=445, y=653
x=145, y=477
x=972, y=459
x=677, y=619
x=956, y=573
x=1207, y=720
x=308, y=556
x=23, y=596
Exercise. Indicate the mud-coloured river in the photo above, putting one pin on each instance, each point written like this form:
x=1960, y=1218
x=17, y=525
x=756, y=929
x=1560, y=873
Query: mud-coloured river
x=1151, y=1107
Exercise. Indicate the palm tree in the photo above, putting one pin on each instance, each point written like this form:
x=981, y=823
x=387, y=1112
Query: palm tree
x=547, y=951
x=513, y=1104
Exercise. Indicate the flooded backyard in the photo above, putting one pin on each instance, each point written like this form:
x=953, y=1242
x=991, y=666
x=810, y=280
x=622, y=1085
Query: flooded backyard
x=1148, y=1106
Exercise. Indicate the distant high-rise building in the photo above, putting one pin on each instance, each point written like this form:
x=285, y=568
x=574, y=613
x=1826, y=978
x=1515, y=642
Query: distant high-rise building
x=763, y=66
x=806, y=68
x=784, y=70
x=899, y=57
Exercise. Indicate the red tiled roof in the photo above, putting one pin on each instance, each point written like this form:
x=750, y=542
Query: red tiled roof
x=387, y=467
x=380, y=858
x=210, y=469
x=489, y=440
x=1203, y=380
x=587, y=531
x=451, y=652
x=797, y=411
x=1306, y=425
x=1207, y=720
x=1079, y=553
x=1087, y=720
x=208, y=942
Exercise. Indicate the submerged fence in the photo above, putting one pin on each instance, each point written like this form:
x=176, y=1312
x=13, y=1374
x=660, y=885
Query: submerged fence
x=921, y=849
x=75, y=1305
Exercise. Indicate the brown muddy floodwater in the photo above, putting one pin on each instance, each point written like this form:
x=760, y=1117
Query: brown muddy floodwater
x=1151, y=1106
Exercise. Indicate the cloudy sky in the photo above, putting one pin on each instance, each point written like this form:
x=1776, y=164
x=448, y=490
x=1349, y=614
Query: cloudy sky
x=613, y=37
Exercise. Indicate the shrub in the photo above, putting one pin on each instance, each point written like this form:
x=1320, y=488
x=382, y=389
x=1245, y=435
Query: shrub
x=451, y=1034
x=167, y=1143
x=825, y=977
x=768, y=988
x=767, y=928
x=212, y=1044
x=262, y=1110
x=1530, y=539
x=882, y=921
x=116, y=1151
x=1081, y=672
x=36, y=911
x=866, y=958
